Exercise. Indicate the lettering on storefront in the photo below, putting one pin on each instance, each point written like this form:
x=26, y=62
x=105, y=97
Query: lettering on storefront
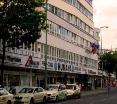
x=11, y=59
x=34, y=64
x=100, y=73
x=91, y=72
x=83, y=71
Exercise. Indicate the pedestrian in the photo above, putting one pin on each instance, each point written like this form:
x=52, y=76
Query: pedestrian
x=108, y=88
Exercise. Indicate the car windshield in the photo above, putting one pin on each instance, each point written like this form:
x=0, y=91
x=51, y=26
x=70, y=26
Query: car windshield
x=69, y=87
x=52, y=88
x=27, y=90
x=3, y=92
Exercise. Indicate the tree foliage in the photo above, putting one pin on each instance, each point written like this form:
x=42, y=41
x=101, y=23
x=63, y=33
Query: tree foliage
x=109, y=62
x=20, y=23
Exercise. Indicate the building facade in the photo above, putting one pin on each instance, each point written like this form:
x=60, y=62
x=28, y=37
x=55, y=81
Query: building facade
x=72, y=48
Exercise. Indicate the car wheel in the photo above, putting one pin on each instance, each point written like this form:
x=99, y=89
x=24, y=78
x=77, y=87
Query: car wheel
x=44, y=100
x=65, y=97
x=79, y=96
x=57, y=98
x=31, y=101
x=9, y=102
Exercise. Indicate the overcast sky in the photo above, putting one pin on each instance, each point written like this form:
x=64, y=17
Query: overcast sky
x=105, y=14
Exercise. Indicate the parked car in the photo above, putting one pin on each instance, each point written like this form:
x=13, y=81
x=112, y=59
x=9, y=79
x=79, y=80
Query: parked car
x=30, y=95
x=73, y=90
x=70, y=90
x=6, y=97
x=56, y=92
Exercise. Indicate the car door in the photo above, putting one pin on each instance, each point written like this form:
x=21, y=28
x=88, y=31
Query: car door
x=62, y=92
x=36, y=95
x=4, y=95
x=40, y=94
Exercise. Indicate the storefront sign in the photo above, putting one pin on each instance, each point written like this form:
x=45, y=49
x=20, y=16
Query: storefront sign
x=100, y=73
x=34, y=64
x=11, y=60
x=92, y=72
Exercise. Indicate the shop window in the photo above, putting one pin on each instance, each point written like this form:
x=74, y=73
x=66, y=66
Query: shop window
x=35, y=46
x=55, y=66
x=34, y=82
x=14, y=80
x=42, y=48
x=63, y=66
x=59, y=66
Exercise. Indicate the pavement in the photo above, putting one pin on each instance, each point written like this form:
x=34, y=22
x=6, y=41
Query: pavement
x=94, y=92
x=98, y=96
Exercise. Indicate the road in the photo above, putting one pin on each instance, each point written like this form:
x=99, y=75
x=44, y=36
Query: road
x=96, y=99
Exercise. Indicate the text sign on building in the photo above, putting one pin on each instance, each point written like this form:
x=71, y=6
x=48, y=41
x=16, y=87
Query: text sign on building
x=92, y=72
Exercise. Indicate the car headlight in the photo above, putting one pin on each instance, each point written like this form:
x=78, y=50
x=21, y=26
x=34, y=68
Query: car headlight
x=18, y=97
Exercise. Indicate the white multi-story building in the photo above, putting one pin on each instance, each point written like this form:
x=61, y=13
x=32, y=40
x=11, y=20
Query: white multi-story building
x=71, y=39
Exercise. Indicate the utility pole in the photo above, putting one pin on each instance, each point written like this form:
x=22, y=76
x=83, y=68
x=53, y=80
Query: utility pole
x=3, y=7
x=46, y=46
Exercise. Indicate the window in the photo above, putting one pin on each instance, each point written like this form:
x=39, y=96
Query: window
x=42, y=48
x=56, y=11
x=12, y=80
x=3, y=92
x=36, y=90
x=80, y=24
x=77, y=56
x=80, y=7
x=50, y=50
x=35, y=46
x=67, y=35
x=52, y=8
x=83, y=26
x=70, y=18
x=40, y=89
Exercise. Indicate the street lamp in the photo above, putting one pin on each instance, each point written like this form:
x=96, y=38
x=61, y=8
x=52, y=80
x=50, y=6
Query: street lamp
x=103, y=27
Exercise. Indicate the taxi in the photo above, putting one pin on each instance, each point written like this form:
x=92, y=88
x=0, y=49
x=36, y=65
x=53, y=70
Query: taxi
x=73, y=90
x=6, y=97
x=30, y=95
x=56, y=92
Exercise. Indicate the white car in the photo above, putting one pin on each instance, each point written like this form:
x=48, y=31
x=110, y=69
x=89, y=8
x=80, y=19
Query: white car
x=73, y=90
x=30, y=95
x=56, y=92
x=6, y=97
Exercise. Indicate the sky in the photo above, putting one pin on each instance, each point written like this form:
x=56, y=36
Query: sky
x=105, y=14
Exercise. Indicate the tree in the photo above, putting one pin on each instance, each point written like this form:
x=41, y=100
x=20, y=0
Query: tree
x=20, y=23
x=114, y=58
x=108, y=62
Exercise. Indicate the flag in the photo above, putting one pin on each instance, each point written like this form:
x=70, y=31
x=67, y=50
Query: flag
x=95, y=48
